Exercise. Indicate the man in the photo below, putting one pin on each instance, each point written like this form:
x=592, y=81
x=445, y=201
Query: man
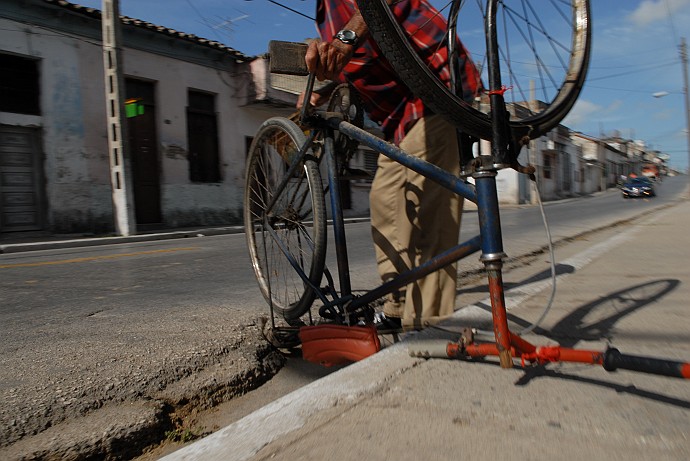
x=413, y=219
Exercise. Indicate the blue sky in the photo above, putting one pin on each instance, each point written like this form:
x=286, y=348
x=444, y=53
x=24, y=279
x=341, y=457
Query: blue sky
x=635, y=55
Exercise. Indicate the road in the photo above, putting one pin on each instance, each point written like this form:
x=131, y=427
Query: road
x=98, y=327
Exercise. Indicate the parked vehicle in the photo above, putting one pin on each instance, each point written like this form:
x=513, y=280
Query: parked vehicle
x=638, y=187
x=651, y=171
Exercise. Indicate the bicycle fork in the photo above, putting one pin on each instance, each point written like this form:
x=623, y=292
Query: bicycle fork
x=492, y=256
x=487, y=195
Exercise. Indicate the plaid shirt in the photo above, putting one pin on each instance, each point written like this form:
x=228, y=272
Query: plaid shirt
x=386, y=98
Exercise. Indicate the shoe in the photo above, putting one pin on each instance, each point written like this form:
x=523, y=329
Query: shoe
x=385, y=324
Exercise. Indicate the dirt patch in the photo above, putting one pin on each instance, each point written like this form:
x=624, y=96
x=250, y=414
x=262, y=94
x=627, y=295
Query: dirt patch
x=141, y=414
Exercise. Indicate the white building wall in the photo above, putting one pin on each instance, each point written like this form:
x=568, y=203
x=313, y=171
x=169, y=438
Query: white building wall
x=182, y=201
x=573, y=156
x=507, y=186
x=592, y=162
x=73, y=127
x=74, y=136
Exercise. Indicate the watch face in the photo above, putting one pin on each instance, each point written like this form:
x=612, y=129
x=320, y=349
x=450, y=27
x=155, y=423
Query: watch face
x=347, y=36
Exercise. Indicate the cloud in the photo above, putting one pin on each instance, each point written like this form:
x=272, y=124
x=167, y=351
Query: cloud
x=586, y=112
x=667, y=114
x=581, y=112
x=650, y=11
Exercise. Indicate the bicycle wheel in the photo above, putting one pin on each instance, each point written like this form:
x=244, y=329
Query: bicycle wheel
x=543, y=54
x=293, y=231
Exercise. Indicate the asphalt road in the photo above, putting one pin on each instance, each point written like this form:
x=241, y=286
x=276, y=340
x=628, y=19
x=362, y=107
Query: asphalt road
x=88, y=328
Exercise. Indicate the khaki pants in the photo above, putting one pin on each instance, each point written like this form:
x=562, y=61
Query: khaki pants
x=414, y=219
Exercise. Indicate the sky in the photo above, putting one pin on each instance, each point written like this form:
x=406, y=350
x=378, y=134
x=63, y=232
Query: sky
x=635, y=56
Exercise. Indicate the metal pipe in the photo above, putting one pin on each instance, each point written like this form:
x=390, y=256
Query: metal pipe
x=499, y=118
x=434, y=264
x=614, y=360
x=500, y=318
x=426, y=169
x=489, y=216
x=338, y=221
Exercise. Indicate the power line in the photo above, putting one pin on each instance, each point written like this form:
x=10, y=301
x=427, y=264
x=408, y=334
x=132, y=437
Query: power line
x=639, y=69
x=628, y=90
x=670, y=20
x=290, y=9
x=204, y=21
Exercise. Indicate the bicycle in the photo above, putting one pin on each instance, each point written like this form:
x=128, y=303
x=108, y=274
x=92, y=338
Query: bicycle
x=285, y=211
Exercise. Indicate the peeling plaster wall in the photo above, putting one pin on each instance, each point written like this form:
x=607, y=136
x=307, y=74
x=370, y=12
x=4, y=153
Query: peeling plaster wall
x=74, y=134
x=74, y=125
x=185, y=203
x=77, y=176
x=207, y=205
x=77, y=192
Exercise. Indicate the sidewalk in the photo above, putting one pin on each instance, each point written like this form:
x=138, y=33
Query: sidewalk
x=16, y=244
x=629, y=288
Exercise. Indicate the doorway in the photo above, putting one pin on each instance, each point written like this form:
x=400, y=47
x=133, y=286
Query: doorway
x=143, y=152
x=22, y=207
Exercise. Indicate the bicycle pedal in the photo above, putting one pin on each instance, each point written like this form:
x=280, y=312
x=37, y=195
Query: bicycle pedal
x=331, y=345
x=387, y=325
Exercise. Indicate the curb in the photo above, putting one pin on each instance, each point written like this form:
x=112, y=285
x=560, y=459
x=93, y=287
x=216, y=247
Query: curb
x=87, y=242
x=360, y=380
x=96, y=241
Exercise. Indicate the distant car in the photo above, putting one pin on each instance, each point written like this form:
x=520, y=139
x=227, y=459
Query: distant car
x=638, y=187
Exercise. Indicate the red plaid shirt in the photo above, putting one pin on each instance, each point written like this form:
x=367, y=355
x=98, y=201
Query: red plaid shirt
x=386, y=98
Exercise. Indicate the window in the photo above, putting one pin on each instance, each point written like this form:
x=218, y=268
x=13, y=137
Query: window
x=370, y=161
x=19, y=87
x=202, y=135
x=547, y=167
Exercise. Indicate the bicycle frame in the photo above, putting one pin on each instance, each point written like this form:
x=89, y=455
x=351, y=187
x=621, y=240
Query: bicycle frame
x=508, y=345
x=489, y=241
x=330, y=122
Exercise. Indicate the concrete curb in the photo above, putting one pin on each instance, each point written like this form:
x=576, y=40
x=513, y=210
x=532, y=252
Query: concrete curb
x=357, y=381
x=368, y=378
x=96, y=241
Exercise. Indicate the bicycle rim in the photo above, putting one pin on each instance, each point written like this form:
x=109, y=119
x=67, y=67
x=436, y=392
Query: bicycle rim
x=293, y=231
x=543, y=53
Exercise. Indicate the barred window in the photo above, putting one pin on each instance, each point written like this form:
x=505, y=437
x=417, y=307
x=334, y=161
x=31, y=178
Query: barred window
x=202, y=135
x=370, y=160
x=19, y=85
x=547, y=167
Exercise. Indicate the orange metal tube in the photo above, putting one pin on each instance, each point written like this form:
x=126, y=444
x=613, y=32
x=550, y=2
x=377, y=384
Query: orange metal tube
x=483, y=349
x=500, y=318
x=685, y=371
x=582, y=356
x=545, y=354
x=521, y=346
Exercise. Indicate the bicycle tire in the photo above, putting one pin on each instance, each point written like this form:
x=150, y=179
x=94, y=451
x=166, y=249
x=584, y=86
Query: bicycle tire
x=396, y=47
x=298, y=218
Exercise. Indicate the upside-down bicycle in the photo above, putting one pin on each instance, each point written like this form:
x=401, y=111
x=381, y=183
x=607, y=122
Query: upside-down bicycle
x=285, y=210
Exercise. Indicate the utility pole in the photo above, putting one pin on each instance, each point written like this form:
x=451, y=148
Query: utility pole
x=684, y=63
x=533, y=154
x=123, y=209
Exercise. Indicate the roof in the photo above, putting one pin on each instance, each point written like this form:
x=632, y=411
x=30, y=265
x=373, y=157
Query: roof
x=96, y=14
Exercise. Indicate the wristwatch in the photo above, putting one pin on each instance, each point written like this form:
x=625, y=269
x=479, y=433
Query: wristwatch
x=348, y=37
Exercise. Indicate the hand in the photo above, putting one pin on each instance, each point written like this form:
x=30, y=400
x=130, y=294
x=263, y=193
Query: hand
x=328, y=60
x=316, y=99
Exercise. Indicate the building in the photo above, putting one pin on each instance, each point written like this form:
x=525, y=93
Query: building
x=196, y=105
